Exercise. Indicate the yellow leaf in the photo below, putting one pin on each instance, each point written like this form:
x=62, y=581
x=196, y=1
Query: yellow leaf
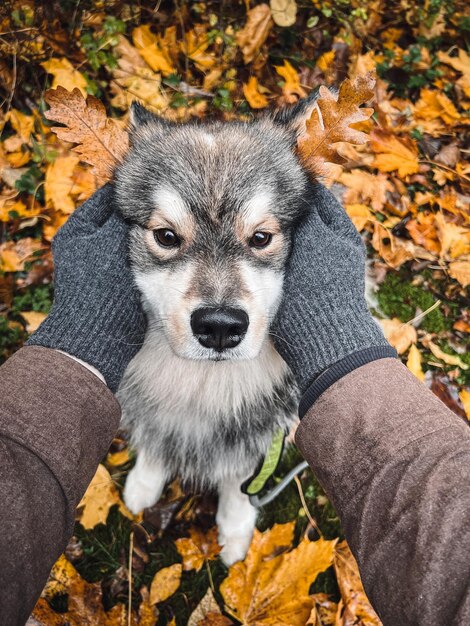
x=460, y=270
x=433, y=104
x=102, y=142
x=357, y=608
x=33, y=319
x=198, y=548
x=11, y=208
x=291, y=89
x=148, y=45
x=208, y=613
x=461, y=63
x=284, y=12
x=326, y=60
x=398, y=334
x=359, y=214
x=59, y=579
x=100, y=496
x=366, y=188
x=255, y=32
x=65, y=75
x=118, y=458
x=464, y=396
x=270, y=588
x=13, y=255
x=449, y=359
x=21, y=123
x=256, y=100
x=195, y=47
x=165, y=582
x=331, y=122
x=393, y=153
x=414, y=363
x=58, y=185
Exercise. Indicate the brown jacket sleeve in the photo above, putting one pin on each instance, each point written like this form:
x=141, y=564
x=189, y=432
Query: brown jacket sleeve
x=396, y=464
x=57, y=420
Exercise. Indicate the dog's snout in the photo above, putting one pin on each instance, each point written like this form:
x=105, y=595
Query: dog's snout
x=219, y=328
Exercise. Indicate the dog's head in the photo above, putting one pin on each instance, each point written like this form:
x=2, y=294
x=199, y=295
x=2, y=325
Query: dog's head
x=212, y=207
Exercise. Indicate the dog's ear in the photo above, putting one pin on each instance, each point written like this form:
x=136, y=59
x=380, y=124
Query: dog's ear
x=140, y=118
x=294, y=117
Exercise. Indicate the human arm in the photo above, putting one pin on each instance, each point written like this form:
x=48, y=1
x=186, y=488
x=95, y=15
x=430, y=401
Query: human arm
x=392, y=458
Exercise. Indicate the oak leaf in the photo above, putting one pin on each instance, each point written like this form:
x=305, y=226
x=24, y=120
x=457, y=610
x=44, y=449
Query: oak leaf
x=270, y=588
x=165, y=582
x=433, y=105
x=252, y=93
x=100, y=496
x=356, y=607
x=414, y=363
x=102, y=142
x=284, y=12
x=198, y=548
x=195, y=46
x=332, y=119
x=394, y=153
x=255, y=32
x=65, y=75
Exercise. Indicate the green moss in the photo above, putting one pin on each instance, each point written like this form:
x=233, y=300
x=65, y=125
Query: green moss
x=397, y=297
x=11, y=338
x=34, y=299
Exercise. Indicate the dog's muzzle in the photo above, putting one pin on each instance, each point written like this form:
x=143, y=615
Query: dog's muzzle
x=219, y=328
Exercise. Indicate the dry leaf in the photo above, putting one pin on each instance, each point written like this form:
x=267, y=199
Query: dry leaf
x=284, y=12
x=324, y=611
x=433, y=105
x=356, y=607
x=207, y=613
x=198, y=548
x=291, y=89
x=100, y=496
x=165, y=582
x=270, y=588
x=454, y=239
x=102, y=142
x=365, y=188
x=65, y=75
x=464, y=396
x=14, y=254
x=331, y=121
x=393, y=153
x=255, y=99
x=151, y=51
x=21, y=123
x=449, y=359
x=59, y=183
x=255, y=32
x=195, y=47
x=359, y=214
x=460, y=270
x=414, y=363
x=33, y=319
x=398, y=334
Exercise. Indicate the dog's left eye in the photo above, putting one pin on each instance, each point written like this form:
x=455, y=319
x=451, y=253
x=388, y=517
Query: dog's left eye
x=260, y=239
x=166, y=238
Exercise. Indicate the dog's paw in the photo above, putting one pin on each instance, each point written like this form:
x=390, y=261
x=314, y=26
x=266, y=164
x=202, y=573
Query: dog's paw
x=139, y=494
x=234, y=548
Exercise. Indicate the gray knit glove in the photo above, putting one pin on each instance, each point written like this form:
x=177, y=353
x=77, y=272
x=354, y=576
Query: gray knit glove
x=323, y=329
x=96, y=315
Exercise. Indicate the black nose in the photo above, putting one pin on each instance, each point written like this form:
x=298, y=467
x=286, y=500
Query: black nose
x=219, y=328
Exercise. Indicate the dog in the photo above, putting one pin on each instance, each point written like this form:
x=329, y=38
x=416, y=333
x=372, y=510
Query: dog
x=212, y=207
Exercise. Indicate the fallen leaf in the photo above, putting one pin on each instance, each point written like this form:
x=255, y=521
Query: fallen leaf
x=398, y=334
x=324, y=611
x=100, y=496
x=359, y=214
x=331, y=121
x=461, y=63
x=165, y=582
x=449, y=359
x=207, y=613
x=356, y=607
x=291, y=89
x=255, y=98
x=102, y=142
x=414, y=361
x=453, y=238
x=433, y=105
x=65, y=75
x=270, y=587
x=14, y=254
x=59, y=183
x=284, y=12
x=460, y=270
x=23, y=124
x=464, y=396
x=366, y=188
x=198, y=548
x=255, y=32
x=394, y=153
x=148, y=45
x=195, y=46
x=33, y=319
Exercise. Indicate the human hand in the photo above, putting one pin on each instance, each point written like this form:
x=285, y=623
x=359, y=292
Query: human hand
x=323, y=326
x=96, y=315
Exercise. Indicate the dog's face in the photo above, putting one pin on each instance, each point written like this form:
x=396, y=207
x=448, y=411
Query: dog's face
x=212, y=208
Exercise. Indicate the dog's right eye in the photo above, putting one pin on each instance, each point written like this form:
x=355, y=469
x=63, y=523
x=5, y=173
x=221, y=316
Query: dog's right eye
x=166, y=238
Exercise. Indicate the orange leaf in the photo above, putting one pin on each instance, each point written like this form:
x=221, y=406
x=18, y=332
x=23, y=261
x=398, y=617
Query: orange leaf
x=292, y=90
x=198, y=548
x=331, y=121
x=255, y=32
x=13, y=255
x=256, y=100
x=165, y=582
x=393, y=153
x=102, y=142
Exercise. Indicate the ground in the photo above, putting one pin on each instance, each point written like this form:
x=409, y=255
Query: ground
x=406, y=190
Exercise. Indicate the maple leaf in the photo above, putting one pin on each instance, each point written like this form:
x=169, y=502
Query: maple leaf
x=255, y=32
x=100, y=496
x=102, y=142
x=165, y=582
x=331, y=122
x=394, y=153
x=252, y=93
x=150, y=49
x=65, y=75
x=198, y=548
x=365, y=188
x=270, y=588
